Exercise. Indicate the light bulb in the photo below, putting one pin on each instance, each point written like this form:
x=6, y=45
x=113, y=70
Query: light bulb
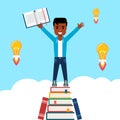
x=16, y=47
x=96, y=13
x=102, y=50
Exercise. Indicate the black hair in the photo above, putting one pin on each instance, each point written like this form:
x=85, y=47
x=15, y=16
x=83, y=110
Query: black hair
x=60, y=20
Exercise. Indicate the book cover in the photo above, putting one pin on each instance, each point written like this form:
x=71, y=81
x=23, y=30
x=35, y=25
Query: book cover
x=36, y=17
x=77, y=109
x=90, y=63
x=43, y=108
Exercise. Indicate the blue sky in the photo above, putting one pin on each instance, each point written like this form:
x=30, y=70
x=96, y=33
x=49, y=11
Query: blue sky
x=37, y=51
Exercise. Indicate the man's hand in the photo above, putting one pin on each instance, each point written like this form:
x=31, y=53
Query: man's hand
x=80, y=25
x=40, y=25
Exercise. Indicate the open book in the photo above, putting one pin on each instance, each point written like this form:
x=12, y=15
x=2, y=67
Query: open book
x=36, y=17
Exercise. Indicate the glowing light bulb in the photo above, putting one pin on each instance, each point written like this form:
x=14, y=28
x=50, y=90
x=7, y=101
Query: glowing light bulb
x=102, y=50
x=16, y=47
x=96, y=13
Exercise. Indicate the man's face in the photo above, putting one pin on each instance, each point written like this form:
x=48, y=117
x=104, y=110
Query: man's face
x=60, y=29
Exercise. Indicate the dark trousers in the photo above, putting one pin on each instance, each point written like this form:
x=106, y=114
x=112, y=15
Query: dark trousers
x=57, y=62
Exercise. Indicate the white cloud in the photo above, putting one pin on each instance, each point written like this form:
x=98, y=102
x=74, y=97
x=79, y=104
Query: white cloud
x=99, y=99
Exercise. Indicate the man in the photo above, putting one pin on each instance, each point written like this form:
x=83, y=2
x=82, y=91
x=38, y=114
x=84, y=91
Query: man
x=60, y=46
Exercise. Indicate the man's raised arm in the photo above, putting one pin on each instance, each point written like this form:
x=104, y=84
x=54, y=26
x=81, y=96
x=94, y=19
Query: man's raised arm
x=74, y=31
x=46, y=32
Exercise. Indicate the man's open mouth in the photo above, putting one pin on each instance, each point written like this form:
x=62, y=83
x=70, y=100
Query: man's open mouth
x=60, y=33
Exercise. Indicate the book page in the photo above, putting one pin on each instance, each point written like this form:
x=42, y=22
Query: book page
x=42, y=16
x=30, y=19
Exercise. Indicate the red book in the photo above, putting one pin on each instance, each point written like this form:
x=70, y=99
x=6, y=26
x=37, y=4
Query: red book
x=43, y=108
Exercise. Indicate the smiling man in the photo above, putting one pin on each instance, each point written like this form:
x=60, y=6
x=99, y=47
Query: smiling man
x=60, y=46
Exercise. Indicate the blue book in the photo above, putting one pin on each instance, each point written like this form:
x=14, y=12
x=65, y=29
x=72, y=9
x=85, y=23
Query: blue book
x=76, y=107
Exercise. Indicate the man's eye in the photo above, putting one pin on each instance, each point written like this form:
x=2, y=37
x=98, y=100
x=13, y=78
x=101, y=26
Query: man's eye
x=56, y=27
x=62, y=27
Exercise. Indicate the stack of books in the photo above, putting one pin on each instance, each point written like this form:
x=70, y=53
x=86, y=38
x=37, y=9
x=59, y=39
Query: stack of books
x=59, y=105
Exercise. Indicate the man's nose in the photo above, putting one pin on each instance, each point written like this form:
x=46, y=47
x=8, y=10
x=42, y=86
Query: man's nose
x=60, y=28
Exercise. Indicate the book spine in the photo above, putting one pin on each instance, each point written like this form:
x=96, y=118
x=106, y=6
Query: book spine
x=59, y=115
x=60, y=98
x=63, y=101
x=59, y=89
x=60, y=108
x=43, y=108
x=77, y=110
x=59, y=95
